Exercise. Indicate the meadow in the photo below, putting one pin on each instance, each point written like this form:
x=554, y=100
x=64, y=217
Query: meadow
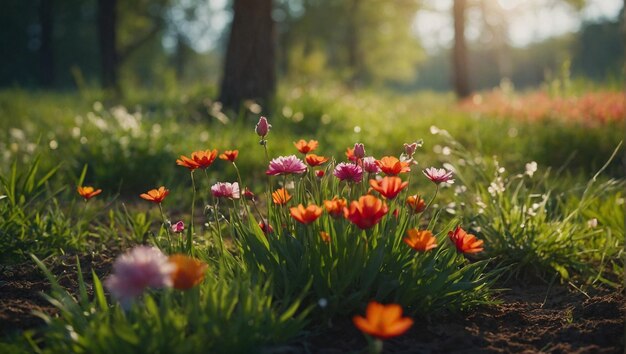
x=286, y=242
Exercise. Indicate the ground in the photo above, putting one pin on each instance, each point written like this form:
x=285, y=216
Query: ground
x=530, y=318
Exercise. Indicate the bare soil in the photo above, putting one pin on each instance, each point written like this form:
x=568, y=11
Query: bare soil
x=529, y=318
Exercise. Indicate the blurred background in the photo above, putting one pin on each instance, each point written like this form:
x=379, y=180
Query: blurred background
x=404, y=45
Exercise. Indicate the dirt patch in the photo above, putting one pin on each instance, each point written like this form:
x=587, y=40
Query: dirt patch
x=529, y=319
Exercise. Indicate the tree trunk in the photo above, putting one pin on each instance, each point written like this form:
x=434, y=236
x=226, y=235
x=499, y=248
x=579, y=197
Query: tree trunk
x=107, y=40
x=249, y=66
x=461, y=77
x=46, y=53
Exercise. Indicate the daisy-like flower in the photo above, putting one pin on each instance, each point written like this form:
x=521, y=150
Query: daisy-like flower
x=262, y=127
x=420, y=241
x=438, y=175
x=225, y=190
x=383, y=321
x=464, y=242
x=369, y=165
x=416, y=203
x=305, y=147
x=366, y=212
x=88, y=192
x=315, y=160
x=391, y=166
x=199, y=159
x=155, y=195
x=335, y=206
x=281, y=196
x=306, y=215
x=348, y=172
x=188, y=272
x=229, y=155
x=284, y=165
x=389, y=187
x=138, y=269
x=178, y=227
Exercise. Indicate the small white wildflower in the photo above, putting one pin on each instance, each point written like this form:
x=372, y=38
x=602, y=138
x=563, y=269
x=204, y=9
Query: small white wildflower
x=459, y=190
x=592, y=223
x=446, y=150
x=496, y=187
x=531, y=168
x=434, y=130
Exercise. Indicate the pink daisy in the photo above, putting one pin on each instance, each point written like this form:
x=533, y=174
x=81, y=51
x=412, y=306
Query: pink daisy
x=438, y=175
x=284, y=165
x=225, y=190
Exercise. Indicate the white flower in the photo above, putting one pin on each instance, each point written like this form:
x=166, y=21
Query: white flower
x=531, y=168
x=592, y=223
x=496, y=187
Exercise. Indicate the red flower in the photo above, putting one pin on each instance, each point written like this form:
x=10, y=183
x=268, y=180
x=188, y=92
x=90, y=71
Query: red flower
x=315, y=160
x=383, y=321
x=389, y=187
x=335, y=206
x=366, y=212
x=266, y=228
x=464, y=242
x=155, y=195
x=229, y=155
x=420, y=241
x=306, y=215
x=199, y=159
x=416, y=203
x=248, y=194
x=391, y=166
x=281, y=196
x=305, y=147
x=350, y=155
x=88, y=192
x=320, y=173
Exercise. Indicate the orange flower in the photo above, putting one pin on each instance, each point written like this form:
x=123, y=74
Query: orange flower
x=88, y=192
x=391, y=166
x=335, y=206
x=464, y=242
x=420, y=241
x=315, y=160
x=229, y=155
x=188, y=272
x=325, y=236
x=389, y=187
x=199, y=159
x=416, y=203
x=155, y=195
x=350, y=154
x=305, y=147
x=306, y=216
x=366, y=212
x=383, y=321
x=281, y=196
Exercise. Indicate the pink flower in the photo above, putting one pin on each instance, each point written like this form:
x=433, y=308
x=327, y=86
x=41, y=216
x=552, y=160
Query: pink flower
x=140, y=268
x=438, y=175
x=178, y=227
x=369, y=165
x=263, y=127
x=409, y=149
x=359, y=150
x=284, y=165
x=348, y=171
x=225, y=190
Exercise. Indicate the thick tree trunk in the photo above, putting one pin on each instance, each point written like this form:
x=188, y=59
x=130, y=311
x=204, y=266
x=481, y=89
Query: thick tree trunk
x=249, y=66
x=46, y=52
x=461, y=75
x=107, y=40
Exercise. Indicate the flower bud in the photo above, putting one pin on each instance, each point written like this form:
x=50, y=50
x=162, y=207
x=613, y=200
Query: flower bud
x=263, y=127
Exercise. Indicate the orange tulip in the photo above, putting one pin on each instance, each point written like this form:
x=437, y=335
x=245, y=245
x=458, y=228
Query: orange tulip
x=188, y=272
x=88, y=192
x=229, y=155
x=335, y=206
x=199, y=159
x=315, y=160
x=366, y=212
x=420, y=241
x=155, y=195
x=391, y=166
x=306, y=215
x=325, y=236
x=281, y=196
x=383, y=321
x=416, y=203
x=305, y=147
x=464, y=242
x=389, y=187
